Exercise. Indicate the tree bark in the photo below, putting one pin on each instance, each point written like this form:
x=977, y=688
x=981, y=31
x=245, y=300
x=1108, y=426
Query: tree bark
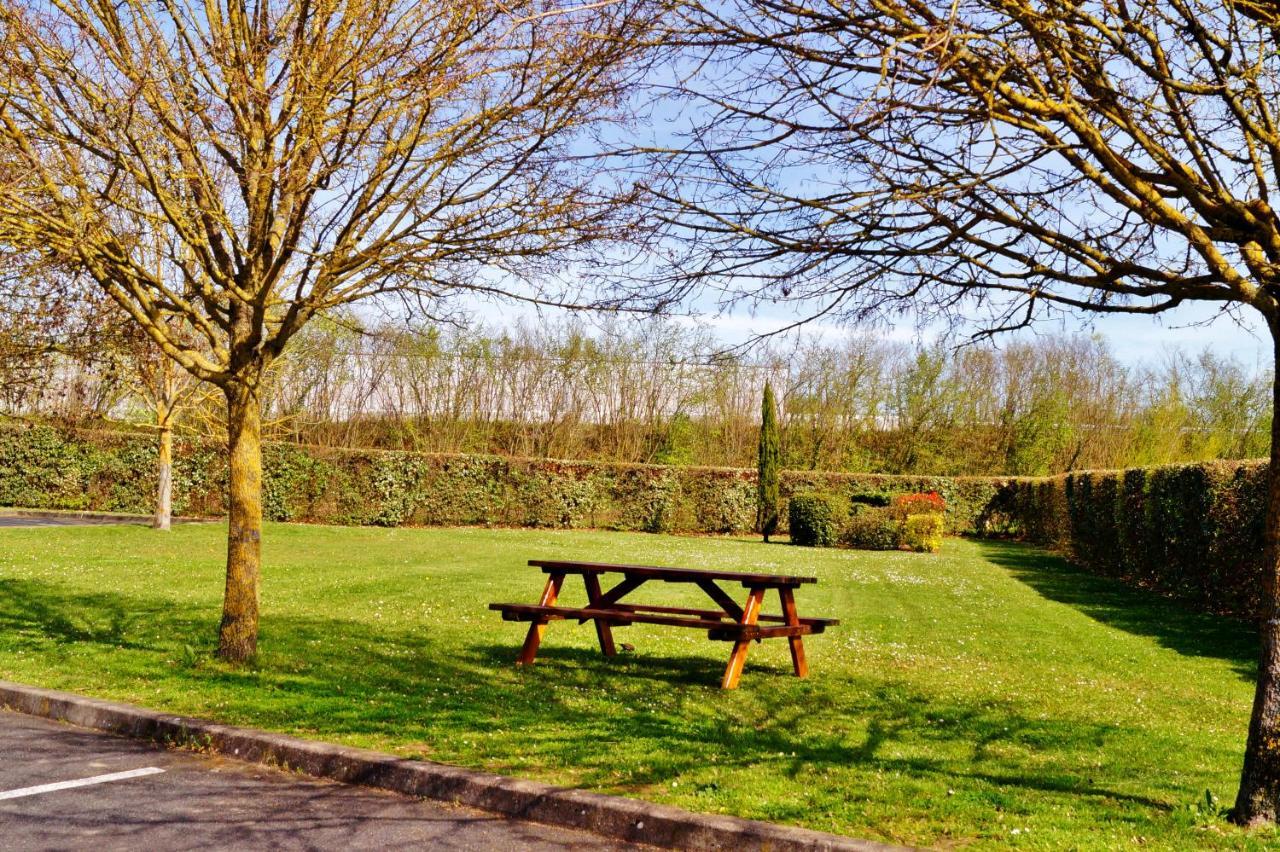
x=164, y=489
x=238, y=636
x=1258, y=801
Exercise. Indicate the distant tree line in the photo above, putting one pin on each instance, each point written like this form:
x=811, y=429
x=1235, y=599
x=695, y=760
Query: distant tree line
x=663, y=392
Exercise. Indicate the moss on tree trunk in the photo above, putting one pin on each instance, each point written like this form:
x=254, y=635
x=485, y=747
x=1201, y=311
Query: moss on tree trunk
x=238, y=636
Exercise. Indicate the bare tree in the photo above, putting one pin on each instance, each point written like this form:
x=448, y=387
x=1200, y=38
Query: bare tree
x=299, y=155
x=44, y=321
x=60, y=335
x=1007, y=156
x=166, y=390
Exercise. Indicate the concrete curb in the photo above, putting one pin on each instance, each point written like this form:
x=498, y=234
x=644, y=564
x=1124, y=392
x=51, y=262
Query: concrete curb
x=611, y=816
x=99, y=517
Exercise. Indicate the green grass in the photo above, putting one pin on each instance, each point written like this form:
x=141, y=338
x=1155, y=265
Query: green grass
x=989, y=696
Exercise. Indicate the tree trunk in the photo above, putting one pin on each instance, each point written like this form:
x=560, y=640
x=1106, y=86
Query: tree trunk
x=1259, y=798
x=238, y=636
x=164, y=490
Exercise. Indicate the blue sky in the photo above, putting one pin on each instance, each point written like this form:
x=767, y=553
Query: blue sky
x=1134, y=338
x=1192, y=328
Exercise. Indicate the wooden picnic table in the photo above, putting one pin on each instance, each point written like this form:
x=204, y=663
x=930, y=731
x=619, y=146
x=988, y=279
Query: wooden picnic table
x=726, y=621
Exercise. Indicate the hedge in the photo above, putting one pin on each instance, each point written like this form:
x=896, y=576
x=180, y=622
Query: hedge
x=871, y=528
x=47, y=467
x=1188, y=531
x=817, y=519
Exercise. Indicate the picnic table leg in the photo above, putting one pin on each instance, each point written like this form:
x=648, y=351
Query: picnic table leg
x=798, y=661
x=603, y=631
x=737, y=659
x=533, y=638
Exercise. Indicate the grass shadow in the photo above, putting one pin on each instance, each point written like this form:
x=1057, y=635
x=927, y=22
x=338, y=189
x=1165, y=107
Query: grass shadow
x=660, y=667
x=95, y=619
x=633, y=723
x=1170, y=623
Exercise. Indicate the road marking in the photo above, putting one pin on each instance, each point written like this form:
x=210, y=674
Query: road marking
x=81, y=782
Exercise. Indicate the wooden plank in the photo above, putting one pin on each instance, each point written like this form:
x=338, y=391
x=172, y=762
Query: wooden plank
x=533, y=638
x=673, y=610
x=615, y=594
x=526, y=616
x=816, y=625
x=680, y=610
x=603, y=633
x=717, y=594
x=798, y=661
x=738, y=657
x=717, y=630
x=668, y=574
x=734, y=632
x=533, y=612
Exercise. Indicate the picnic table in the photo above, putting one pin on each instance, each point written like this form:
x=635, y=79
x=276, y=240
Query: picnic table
x=727, y=620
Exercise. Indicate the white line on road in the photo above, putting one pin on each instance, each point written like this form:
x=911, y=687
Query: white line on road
x=81, y=782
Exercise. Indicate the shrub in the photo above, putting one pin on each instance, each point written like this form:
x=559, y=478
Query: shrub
x=872, y=528
x=816, y=519
x=920, y=503
x=966, y=498
x=721, y=502
x=768, y=467
x=923, y=533
x=48, y=467
x=1188, y=531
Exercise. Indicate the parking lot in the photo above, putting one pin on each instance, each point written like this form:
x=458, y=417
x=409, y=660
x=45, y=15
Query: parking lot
x=63, y=787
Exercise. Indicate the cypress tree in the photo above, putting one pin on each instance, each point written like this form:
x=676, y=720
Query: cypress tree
x=768, y=492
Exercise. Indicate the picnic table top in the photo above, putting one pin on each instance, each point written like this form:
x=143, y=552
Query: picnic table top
x=657, y=572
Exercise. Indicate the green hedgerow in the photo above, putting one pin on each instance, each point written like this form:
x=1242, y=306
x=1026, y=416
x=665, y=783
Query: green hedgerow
x=871, y=528
x=64, y=468
x=817, y=519
x=1188, y=531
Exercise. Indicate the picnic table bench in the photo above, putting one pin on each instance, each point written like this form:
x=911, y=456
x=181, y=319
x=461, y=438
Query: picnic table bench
x=727, y=621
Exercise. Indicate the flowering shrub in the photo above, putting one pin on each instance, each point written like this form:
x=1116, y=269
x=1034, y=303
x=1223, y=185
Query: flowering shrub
x=920, y=503
x=922, y=533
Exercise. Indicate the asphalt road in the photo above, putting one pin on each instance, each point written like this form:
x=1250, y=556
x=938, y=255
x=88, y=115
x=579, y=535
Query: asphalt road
x=203, y=802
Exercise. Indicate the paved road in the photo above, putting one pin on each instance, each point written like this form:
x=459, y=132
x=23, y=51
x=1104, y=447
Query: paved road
x=201, y=802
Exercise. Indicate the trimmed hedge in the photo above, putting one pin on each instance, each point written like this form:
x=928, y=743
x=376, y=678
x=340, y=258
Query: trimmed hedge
x=1188, y=531
x=971, y=502
x=817, y=519
x=47, y=467
x=871, y=528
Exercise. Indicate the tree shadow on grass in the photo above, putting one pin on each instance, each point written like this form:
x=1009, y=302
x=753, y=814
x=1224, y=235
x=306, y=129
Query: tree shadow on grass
x=1144, y=613
x=802, y=730
x=97, y=619
x=631, y=724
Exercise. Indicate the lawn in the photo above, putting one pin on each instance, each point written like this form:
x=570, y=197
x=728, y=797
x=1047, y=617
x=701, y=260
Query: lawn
x=987, y=696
